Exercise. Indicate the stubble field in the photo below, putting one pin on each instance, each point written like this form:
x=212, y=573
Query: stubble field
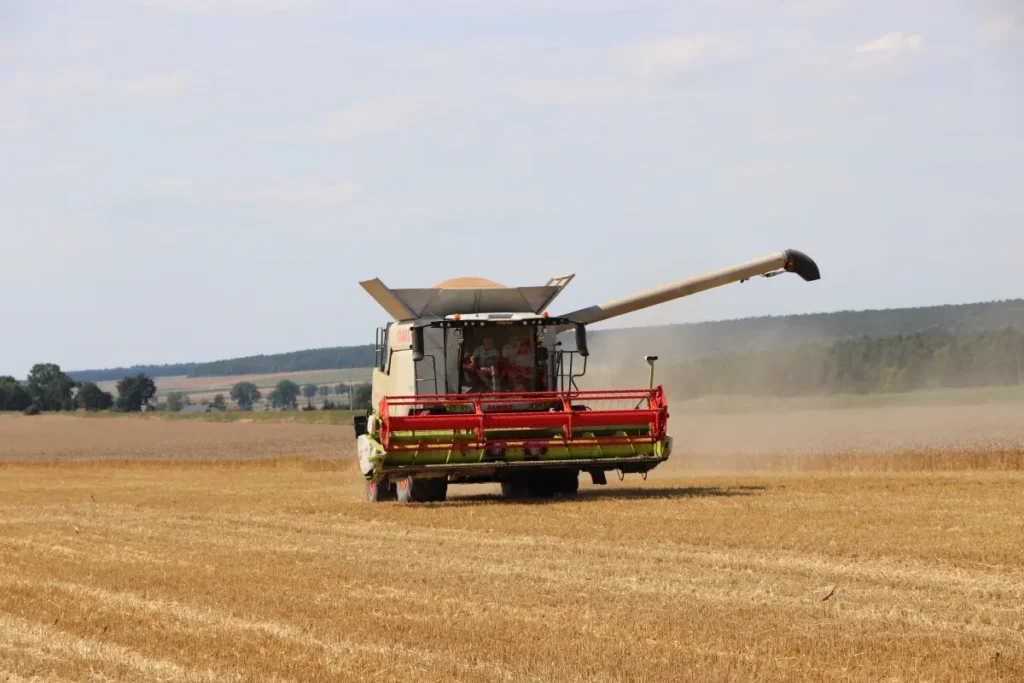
x=135, y=549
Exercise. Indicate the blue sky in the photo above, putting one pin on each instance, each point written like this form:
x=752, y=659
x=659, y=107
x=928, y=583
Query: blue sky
x=195, y=179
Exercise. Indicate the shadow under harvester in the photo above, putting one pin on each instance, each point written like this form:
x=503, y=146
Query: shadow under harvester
x=631, y=493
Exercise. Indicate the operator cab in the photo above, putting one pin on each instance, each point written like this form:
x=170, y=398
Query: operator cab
x=482, y=354
x=496, y=359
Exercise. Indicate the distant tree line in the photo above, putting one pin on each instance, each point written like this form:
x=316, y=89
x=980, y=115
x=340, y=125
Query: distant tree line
x=285, y=396
x=897, y=363
x=681, y=342
x=295, y=361
x=48, y=388
x=111, y=374
x=691, y=341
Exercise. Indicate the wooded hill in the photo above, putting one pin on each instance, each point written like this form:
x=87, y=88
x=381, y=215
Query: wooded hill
x=293, y=361
x=674, y=343
x=111, y=374
x=694, y=340
x=296, y=361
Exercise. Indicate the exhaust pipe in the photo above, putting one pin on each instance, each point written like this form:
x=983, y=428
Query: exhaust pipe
x=791, y=260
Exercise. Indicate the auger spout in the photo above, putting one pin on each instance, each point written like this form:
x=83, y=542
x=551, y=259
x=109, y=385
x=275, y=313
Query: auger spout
x=791, y=260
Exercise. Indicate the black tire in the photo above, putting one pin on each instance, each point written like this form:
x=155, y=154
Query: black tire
x=548, y=483
x=515, y=488
x=359, y=424
x=417, y=490
x=542, y=484
x=565, y=482
x=378, y=492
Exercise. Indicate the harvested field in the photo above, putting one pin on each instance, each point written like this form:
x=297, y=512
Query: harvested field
x=61, y=438
x=135, y=549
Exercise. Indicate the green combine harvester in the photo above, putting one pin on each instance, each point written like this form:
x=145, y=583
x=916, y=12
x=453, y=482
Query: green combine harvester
x=472, y=384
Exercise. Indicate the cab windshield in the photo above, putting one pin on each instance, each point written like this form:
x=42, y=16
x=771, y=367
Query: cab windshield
x=498, y=358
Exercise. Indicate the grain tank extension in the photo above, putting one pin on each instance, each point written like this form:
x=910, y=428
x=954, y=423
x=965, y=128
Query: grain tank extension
x=472, y=384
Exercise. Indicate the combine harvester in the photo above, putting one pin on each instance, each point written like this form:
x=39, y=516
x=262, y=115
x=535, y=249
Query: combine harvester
x=472, y=385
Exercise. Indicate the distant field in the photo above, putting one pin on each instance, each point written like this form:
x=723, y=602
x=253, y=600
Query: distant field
x=330, y=417
x=199, y=387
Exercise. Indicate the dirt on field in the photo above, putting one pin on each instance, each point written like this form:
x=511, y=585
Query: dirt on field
x=135, y=549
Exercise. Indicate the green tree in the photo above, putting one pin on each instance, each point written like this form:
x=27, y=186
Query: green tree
x=12, y=395
x=341, y=390
x=325, y=391
x=176, y=400
x=285, y=394
x=363, y=397
x=309, y=391
x=219, y=403
x=49, y=387
x=91, y=397
x=245, y=394
x=135, y=392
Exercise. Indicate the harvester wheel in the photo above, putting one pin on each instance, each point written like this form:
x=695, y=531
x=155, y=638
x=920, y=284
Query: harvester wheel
x=565, y=483
x=515, y=488
x=416, y=490
x=379, y=491
x=543, y=484
x=554, y=483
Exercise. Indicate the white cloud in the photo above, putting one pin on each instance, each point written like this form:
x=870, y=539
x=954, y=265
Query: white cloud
x=373, y=117
x=675, y=53
x=156, y=85
x=228, y=5
x=314, y=193
x=91, y=83
x=175, y=188
x=9, y=49
x=891, y=43
x=814, y=8
x=370, y=118
x=76, y=83
x=569, y=93
x=1002, y=29
x=11, y=124
x=171, y=187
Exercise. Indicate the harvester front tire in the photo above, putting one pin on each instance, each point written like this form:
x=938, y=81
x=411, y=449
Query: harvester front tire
x=416, y=490
x=515, y=488
x=380, y=491
x=565, y=483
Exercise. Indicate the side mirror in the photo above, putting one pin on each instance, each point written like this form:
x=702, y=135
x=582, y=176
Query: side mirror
x=417, y=343
x=581, y=340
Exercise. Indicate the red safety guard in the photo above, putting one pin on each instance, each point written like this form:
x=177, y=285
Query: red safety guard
x=570, y=412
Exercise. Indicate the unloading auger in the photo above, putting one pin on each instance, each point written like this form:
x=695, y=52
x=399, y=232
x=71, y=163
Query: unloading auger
x=472, y=384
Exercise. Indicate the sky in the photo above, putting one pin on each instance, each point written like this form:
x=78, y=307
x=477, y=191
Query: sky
x=188, y=180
